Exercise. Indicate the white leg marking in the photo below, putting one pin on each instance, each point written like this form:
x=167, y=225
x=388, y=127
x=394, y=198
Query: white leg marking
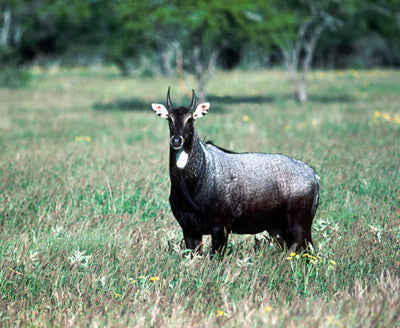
x=181, y=159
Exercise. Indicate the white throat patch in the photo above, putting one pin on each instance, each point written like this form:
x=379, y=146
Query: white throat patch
x=181, y=159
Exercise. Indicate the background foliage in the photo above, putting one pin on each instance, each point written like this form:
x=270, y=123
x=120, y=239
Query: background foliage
x=165, y=36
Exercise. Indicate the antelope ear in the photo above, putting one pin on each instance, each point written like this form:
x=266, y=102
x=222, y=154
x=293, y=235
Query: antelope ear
x=160, y=110
x=201, y=110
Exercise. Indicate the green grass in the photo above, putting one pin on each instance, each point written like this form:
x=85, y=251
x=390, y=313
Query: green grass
x=88, y=238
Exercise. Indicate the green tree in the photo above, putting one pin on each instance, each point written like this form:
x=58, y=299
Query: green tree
x=295, y=27
x=368, y=38
x=126, y=31
x=379, y=23
x=198, y=31
x=30, y=28
x=33, y=26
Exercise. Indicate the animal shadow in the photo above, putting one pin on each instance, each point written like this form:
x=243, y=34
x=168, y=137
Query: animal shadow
x=123, y=105
x=240, y=99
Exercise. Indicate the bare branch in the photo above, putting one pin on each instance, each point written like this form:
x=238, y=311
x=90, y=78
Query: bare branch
x=6, y=28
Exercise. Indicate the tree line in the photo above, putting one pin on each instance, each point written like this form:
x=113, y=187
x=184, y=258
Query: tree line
x=177, y=36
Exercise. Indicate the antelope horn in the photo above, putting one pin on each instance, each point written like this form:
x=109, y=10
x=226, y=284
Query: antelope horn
x=169, y=104
x=193, y=103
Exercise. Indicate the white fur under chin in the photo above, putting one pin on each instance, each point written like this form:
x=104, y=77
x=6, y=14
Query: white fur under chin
x=181, y=159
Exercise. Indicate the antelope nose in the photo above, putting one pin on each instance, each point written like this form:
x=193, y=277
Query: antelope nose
x=176, y=142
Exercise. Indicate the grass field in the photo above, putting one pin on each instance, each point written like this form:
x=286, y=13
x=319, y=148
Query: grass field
x=88, y=238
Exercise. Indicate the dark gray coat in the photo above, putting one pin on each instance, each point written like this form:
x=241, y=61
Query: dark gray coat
x=243, y=193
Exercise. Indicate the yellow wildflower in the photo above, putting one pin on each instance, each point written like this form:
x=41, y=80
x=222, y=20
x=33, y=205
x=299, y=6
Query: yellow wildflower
x=332, y=264
x=396, y=119
x=154, y=279
x=83, y=138
x=268, y=308
x=311, y=257
x=387, y=116
x=220, y=313
x=293, y=254
x=245, y=118
x=377, y=113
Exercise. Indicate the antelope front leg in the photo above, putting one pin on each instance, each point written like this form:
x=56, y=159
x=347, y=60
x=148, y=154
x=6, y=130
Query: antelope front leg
x=193, y=242
x=219, y=240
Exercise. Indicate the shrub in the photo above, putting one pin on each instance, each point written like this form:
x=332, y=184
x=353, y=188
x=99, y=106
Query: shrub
x=12, y=73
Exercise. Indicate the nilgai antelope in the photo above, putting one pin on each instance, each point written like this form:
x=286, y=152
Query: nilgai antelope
x=217, y=192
